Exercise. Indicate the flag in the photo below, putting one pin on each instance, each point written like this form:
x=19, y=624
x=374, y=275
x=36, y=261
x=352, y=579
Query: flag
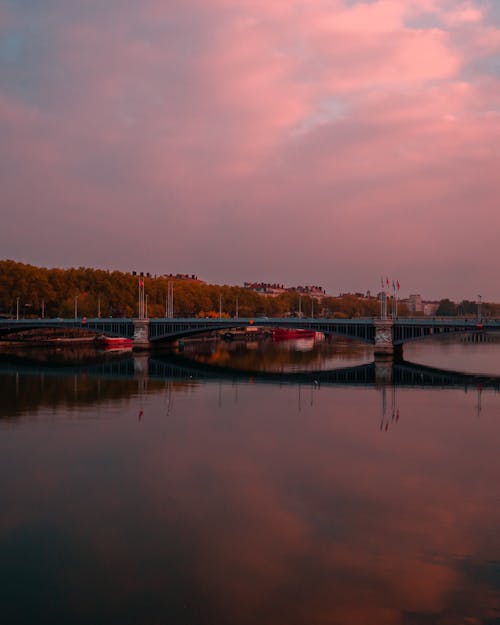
x=387, y=281
x=397, y=284
x=393, y=286
x=382, y=282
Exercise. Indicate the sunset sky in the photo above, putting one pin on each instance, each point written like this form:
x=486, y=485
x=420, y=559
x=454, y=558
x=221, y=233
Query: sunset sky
x=300, y=141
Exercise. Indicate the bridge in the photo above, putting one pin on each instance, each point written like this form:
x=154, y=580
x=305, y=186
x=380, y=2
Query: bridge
x=386, y=335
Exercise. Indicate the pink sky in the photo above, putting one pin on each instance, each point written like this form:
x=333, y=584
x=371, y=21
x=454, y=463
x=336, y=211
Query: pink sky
x=321, y=142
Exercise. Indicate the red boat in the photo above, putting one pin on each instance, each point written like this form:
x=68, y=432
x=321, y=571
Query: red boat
x=283, y=334
x=116, y=342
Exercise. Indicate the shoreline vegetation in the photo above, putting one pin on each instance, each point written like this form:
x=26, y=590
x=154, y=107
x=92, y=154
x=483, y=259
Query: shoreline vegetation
x=114, y=294
x=42, y=292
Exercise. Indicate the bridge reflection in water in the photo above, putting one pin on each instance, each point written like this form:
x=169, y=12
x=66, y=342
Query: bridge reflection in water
x=31, y=383
x=398, y=373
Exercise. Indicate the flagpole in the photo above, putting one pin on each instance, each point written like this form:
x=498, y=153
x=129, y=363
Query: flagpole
x=382, y=299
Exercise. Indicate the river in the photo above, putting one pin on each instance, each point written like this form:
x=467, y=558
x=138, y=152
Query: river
x=235, y=483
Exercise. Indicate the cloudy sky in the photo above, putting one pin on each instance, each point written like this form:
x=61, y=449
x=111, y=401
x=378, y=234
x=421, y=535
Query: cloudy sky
x=301, y=141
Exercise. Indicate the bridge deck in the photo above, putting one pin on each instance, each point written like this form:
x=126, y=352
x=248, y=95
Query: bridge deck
x=362, y=329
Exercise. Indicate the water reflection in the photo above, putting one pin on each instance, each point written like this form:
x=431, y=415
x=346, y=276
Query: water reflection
x=96, y=378
x=302, y=354
x=472, y=353
x=134, y=497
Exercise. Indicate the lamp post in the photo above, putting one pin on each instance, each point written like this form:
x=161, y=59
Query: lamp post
x=394, y=302
x=383, y=305
x=98, y=306
x=17, y=308
x=76, y=306
x=479, y=308
x=141, y=308
x=43, y=309
x=169, y=301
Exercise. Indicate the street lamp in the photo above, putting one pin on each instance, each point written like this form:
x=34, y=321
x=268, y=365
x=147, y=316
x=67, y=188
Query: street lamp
x=17, y=308
x=479, y=308
x=169, y=302
x=76, y=306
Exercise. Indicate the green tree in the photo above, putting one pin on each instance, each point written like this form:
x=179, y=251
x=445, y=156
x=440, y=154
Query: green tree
x=446, y=308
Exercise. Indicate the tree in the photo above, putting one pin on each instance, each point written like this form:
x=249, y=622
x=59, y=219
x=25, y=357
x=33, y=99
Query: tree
x=446, y=308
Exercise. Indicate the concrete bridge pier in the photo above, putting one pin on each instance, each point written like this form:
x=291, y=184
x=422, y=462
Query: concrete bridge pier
x=384, y=344
x=141, y=334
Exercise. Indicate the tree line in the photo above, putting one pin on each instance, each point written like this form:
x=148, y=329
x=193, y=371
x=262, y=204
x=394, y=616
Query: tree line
x=466, y=308
x=39, y=291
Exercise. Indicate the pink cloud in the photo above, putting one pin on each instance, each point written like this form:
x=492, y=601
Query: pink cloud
x=327, y=115
x=465, y=13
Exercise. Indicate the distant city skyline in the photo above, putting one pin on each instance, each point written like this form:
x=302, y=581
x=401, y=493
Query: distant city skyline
x=295, y=142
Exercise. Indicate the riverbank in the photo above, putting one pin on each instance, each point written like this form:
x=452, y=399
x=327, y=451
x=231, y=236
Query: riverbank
x=52, y=342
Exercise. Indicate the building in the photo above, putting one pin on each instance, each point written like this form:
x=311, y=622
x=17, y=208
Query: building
x=274, y=289
x=430, y=308
x=415, y=304
x=182, y=276
x=266, y=288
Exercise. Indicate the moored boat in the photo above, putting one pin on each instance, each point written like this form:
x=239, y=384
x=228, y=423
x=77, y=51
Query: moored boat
x=115, y=342
x=284, y=334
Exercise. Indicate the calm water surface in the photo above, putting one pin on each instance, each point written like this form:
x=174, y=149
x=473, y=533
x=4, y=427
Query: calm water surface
x=128, y=496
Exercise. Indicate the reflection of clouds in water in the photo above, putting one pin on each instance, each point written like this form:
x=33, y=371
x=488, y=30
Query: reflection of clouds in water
x=257, y=514
x=480, y=358
x=331, y=521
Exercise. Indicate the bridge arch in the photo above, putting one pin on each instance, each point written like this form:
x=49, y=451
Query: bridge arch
x=164, y=330
x=110, y=327
x=409, y=334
